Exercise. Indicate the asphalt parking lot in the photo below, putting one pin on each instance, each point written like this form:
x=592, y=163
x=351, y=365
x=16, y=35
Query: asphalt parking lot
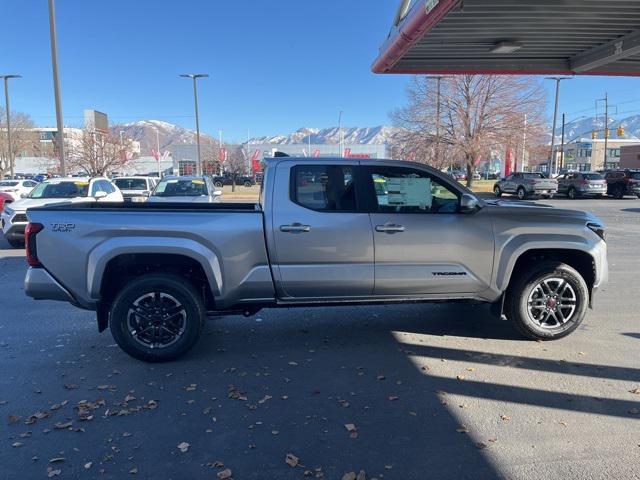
x=398, y=392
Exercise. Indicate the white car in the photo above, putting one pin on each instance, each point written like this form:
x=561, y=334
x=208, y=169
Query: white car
x=135, y=189
x=185, y=190
x=56, y=190
x=17, y=188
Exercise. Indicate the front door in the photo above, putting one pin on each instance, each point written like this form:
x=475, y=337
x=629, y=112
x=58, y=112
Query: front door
x=423, y=244
x=322, y=237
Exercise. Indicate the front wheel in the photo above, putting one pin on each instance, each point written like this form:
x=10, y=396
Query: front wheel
x=217, y=184
x=15, y=243
x=522, y=193
x=572, y=193
x=618, y=192
x=157, y=317
x=496, y=191
x=547, y=302
x=247, y=184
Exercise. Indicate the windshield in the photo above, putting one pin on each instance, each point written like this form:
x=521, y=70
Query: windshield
x=175, y=187
x=635, y=176
x=592, y=176
x=131, y=183
x=8, y=184
x=60, y=190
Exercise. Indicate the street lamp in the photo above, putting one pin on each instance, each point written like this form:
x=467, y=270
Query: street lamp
x=56, y=84
x=195, y=76
x=8, y=112
x=555, y=116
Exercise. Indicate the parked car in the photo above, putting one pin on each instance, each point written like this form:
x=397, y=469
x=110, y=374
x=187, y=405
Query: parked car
x=153, y=278
x=135, y=189
x=623, y=182
x=60, y=190
x=226, y=179
x=17, y=188
x=524, y=184
x=187, y=189
x=582, y=184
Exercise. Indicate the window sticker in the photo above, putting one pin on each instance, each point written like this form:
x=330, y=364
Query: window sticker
x=409, y=192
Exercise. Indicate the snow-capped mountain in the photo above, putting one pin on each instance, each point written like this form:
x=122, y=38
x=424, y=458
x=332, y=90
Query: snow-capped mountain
x=582, y=127
x=354, y=135
x=144, y=131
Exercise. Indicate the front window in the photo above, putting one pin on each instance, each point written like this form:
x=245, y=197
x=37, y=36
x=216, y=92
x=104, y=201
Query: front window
x=405, y=190
x=131, y=183
x=181, y=187
x=60, y=190
x=8, y=184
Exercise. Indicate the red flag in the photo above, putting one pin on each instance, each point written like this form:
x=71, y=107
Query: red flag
x=347, y=152
x=316, y=153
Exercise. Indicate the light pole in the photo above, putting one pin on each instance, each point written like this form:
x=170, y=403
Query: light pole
x=56, y=84
x=195, y=77
x=555, y=116
x=340, y=134
x=8, y=112
x=438, y=79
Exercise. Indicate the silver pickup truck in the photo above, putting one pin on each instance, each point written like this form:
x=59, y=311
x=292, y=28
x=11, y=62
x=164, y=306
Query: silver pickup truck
x=325, y=232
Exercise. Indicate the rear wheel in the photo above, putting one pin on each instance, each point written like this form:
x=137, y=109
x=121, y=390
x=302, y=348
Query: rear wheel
x=547, y=302
x=218, y=184
x=496, y=191
x=522, y=193
x=247, y=184
x=572, y=193
x=157, y=317
x=617, y=192
x=15, y=243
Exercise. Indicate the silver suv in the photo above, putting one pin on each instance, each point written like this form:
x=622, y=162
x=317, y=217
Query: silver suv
x=582, y=184
x=524, y=184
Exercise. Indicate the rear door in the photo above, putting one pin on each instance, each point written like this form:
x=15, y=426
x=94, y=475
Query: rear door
x=321, y=236
x=423, y=245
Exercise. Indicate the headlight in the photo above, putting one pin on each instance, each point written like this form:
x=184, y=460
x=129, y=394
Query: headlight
x=597, y=229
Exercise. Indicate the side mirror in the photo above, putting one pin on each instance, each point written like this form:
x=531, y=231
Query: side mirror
x=468, y=203
x=217, y=193
x=100, y=195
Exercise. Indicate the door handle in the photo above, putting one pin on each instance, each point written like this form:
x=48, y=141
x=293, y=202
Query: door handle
x=390, y=228
x=295, y=228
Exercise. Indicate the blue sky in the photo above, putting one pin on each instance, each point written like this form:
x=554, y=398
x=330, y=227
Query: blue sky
x=274, y=66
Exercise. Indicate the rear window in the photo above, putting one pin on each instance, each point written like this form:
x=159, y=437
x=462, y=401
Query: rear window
x=592, y=176
x=176, y=187
x=131, y=183
x=530, y=176
x=324, y=187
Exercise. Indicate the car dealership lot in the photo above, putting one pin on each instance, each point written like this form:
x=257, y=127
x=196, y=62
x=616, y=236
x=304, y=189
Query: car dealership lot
x=406, y=391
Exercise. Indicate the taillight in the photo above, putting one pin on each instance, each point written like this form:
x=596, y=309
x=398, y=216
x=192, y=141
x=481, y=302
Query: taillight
x=30, y=243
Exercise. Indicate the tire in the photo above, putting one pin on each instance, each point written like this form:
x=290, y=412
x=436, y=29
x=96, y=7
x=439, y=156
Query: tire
x=217, y=184
x=534, y=322
x=572, y=193
x=618, y=192
x=496, y=191
x=15, y=243
x=175, y=293
x=522, y=193
x=247, y=184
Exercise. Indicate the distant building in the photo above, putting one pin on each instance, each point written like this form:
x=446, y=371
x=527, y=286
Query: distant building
x=630, y=156
x=586, y=155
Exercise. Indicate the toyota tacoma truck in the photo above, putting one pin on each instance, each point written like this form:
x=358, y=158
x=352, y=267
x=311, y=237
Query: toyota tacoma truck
x=324, y=232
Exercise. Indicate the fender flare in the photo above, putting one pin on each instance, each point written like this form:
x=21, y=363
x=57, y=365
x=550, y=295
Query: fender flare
x=100, y=257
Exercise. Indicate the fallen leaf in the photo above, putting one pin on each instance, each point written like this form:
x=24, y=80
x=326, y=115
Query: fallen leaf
x=16, y=444
x=71, y=386
x=350, y=427
x=129, y=398
x=291, y=460
x=379, y=377
x=226, y=473
x=88, y=465
x=393, y=397
x=481, y=445
x=14, y=419
x=133, y=471
x=635, y=390
x=460, y=377
x=51, y=472
x=183, y=447
x=634, y=411
x=505, y=418
x=349, y=476
x=462, y=429
x=57, y=460
x=62, y=426
x=361, y=475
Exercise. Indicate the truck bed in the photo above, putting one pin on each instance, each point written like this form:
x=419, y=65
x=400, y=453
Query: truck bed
x=144, y=206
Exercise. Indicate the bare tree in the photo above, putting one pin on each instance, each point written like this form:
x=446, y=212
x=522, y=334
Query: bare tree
x=235, y=164
x=97, y=152
x=479, y=113
x=210, y=154
x=25, y=141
